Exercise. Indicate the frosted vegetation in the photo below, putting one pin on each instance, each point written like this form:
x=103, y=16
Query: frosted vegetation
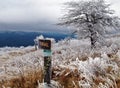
x=73, y=62
x=91, y=61
x=91, y=19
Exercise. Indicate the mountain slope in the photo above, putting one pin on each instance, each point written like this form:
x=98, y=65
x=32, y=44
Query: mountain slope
x=74, y=65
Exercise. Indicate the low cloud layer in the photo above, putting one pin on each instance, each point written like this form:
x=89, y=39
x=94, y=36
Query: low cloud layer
x=34, y=14
x=21, y=11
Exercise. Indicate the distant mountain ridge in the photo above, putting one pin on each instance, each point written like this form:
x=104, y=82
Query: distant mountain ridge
x=18, y=38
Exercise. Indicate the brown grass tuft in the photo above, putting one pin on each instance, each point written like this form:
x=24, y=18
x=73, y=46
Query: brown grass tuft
x=68, y=78
x=28, y=80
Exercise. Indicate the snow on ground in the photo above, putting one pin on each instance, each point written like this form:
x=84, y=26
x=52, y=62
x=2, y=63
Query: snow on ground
x=16, y=65
x=72, y=54
x=4, y=50
x=11, y=52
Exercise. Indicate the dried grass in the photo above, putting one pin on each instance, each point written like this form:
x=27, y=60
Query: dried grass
x=27, y=80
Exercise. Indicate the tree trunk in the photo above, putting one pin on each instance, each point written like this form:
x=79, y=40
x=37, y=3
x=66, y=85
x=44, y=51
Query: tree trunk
x=93, y=33
x=93, y=39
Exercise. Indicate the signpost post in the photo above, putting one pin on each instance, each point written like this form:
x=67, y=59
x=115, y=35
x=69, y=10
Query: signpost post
x=46, y=45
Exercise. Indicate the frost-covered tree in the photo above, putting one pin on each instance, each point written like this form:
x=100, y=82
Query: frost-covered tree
x=90, y=19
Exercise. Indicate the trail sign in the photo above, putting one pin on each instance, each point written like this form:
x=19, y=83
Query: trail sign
x=45, y=44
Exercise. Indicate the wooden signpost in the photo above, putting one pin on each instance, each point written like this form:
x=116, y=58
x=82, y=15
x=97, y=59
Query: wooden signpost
x=46, y=46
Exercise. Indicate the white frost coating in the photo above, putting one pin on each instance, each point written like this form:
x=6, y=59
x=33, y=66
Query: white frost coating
x=66, y=54
x=40, y=37
x=53, y=84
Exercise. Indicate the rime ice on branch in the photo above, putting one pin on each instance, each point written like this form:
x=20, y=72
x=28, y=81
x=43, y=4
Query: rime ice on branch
x=91, y=19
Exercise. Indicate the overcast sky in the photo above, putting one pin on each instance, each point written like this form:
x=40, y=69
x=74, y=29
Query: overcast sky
x=35, y=15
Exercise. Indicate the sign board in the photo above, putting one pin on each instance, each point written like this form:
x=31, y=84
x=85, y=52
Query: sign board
x=45, y=44
x=47, y=53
